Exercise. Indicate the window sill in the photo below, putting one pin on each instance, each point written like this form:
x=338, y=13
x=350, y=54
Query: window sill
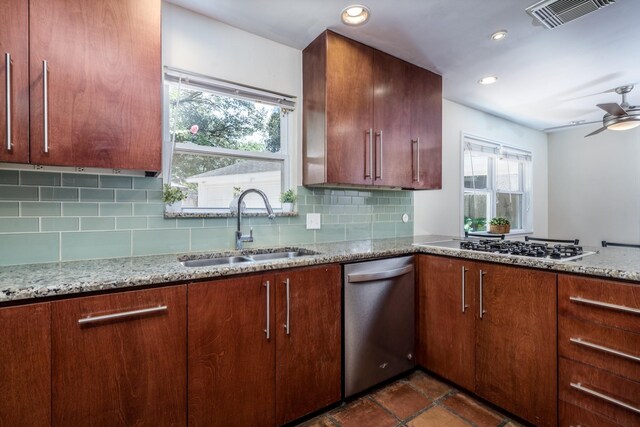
x=514, y=233
x=226, y=214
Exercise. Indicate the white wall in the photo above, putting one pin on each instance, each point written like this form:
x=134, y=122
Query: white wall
x=194, y=42
x=594, y=191
x=440, y=211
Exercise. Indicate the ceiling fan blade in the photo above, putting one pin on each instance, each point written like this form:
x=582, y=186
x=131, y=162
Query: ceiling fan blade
x=573, y=125
x=596, y=131
x=613, y=109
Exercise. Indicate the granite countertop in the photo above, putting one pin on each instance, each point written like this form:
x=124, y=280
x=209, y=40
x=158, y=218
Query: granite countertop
x=46, y=280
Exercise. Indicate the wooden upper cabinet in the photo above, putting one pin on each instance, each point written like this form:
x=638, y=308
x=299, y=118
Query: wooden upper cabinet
x=25, y=366
x=95, y=71
x=359, y=117
x=231, y=359
x=14, y=48
x=308, y=341
x=120, y=359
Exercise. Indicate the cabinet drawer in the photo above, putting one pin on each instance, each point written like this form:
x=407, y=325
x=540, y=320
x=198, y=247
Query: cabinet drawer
x=574, y=416
x=606, y=302
x=611, y=349
x=601, y=392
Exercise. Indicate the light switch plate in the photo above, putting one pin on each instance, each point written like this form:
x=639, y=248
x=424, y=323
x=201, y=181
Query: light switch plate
x=313, y=221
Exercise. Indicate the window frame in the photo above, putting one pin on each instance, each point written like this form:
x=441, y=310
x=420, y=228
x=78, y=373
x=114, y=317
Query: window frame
x=286, y=103
x=526, y=181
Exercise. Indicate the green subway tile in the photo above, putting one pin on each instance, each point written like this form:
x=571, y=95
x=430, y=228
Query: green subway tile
x=298, y=219
x=80, y=209
x=79, y=180
x=365, y=209
x=144, y=183
x=357, y=200
x=218, y=222
x=60, y=224
x=115, y=181
x=382, y=217
x=8, y=177
x=95, y=245
x=329, y=219
x=337, y=192
x=131, y=223
x=148, y=209
x=40, y=209
x=40, y=178
x=9, y=208
x=331, y=233
x=209, y=239
x=303, y=191
x=154, y=196
x=362, y=218
x=364, y=194
x=351, y=192
x=404, y=229
x=313, y=200
x=131, y=195
x=161, y=222
x=383, y=230
x=403, y=209
x=189, y=223
x=371, y=200
x=28, y=248
x=406, y=201
x=59, y=194
x=96, y=195
x=383, y=200
x=152, y=242
x=359, y=232
x=19, y=225
x=345, y=219
x=15, y=192
x=97, y=223
x=263, y=235
x=116, y=209
x=377, y=209
x=344, y=200
x=389, y=209
x=295, y=235
x=260, y=220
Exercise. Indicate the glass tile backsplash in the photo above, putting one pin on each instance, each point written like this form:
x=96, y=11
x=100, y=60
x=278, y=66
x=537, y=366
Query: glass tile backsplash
x=57, y=216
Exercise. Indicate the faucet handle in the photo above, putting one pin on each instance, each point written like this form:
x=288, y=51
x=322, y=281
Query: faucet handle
x=251, y=233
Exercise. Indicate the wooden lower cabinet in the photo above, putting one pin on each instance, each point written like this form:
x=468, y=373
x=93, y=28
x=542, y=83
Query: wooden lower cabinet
x=507, y=355
x=120, y=359
x=25, y=366
x=246, y=367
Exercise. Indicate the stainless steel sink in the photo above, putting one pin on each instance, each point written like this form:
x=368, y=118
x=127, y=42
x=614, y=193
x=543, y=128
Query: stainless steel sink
x=224, y=260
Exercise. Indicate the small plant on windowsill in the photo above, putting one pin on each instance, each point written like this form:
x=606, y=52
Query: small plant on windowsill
x=233, y=205
x=288, y=198
x=499, y=225
x=173, y=197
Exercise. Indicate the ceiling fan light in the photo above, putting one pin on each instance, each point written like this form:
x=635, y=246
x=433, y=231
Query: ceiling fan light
x=355, y=14
x=625, y=125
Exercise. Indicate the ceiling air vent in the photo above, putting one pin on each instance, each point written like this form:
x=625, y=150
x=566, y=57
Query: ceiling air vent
x=553, y=13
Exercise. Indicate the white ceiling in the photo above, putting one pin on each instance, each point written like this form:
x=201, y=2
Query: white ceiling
x=546, y=77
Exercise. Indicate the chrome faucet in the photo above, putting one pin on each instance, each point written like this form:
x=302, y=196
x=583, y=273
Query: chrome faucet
x=240, y=238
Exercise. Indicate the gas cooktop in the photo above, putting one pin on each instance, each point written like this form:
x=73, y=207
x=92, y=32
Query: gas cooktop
x=556, y=252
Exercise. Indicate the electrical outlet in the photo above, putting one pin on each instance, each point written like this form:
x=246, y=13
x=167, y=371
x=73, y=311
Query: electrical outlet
x=313, y=221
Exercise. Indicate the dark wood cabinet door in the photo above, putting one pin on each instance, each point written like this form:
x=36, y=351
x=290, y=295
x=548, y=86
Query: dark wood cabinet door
x=231, y=360
x=103, y=77
x=14, y=48
x=349, y=111
x=391, y=121
x=127, y=369
x=516, y=342
x=426, y=129
x=446, y=329
x=25, y=366
x=308, y=341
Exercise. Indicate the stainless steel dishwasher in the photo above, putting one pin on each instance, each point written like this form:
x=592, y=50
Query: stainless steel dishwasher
x=379, y=321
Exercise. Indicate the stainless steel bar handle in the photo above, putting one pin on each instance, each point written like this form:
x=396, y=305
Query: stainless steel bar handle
x=267, y=331
x=482, y=312
x=418, y=155
x=7, y=57
x=45, y=108
x=601, y=304
x=380, y=159
x=604, y=349
x=464, y=304
x=366, y=159
x=370, y=152
x=587, y=390
x=288, y=324
x=122, y=315
x=414, y=168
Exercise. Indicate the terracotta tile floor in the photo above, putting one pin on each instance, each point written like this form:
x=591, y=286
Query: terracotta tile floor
x=415, y=401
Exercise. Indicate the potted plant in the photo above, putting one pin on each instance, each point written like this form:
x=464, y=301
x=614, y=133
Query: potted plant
x=499, y=225
x=288, y=198
x=173, y=197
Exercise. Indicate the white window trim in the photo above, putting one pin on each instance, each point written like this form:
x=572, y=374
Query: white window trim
x=528, y=219
x=287, y=104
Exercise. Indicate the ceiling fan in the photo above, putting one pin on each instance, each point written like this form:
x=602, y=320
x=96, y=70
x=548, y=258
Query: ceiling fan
x=619, y=116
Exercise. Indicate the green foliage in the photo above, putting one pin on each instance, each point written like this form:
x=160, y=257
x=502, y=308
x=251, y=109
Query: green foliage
x=475, y=224
x=288, y=197
x=237, y=191
x=499, y=221
x=172, y=194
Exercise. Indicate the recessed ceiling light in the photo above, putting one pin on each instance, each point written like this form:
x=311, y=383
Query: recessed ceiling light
x=488, y=80
x=355, y=14
x=499, y=35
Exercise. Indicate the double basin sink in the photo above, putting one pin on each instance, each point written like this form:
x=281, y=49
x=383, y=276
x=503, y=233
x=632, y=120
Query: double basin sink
x=224, y=260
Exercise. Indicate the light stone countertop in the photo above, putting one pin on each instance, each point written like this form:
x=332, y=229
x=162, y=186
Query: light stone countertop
x=35, y=281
